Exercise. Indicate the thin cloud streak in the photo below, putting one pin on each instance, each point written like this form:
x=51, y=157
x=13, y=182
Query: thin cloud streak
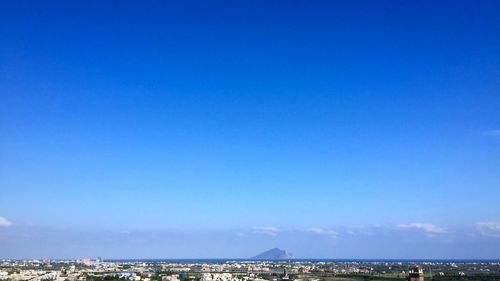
x=268, y=230
x=427, y=228
x=322, y=231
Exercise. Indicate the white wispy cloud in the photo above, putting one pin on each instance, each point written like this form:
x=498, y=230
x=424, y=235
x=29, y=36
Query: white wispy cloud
x=427, y=228
x=488, y=228
x=322, y=231
x=268, y=230
x=5, y=222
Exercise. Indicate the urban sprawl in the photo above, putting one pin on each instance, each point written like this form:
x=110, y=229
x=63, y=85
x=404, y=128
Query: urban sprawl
x=239, y=270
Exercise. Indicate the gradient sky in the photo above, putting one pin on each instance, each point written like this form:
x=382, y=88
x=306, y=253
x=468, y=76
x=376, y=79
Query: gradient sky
x=177, y=129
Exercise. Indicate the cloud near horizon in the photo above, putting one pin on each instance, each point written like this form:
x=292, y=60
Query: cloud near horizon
x=491, y=229
x=5, y=222
x=385, y=241
x=427, y=228
x=268, y=230
x=322, y=231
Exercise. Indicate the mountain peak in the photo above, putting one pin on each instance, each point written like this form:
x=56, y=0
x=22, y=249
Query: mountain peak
x=274, y=254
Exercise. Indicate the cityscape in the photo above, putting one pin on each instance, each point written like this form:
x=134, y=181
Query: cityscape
x=245, y=270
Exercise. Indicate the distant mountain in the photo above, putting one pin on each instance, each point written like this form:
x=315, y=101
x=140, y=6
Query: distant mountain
x=274, y=254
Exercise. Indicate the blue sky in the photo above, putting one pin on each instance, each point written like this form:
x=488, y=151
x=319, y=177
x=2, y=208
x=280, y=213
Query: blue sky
x=222, y=128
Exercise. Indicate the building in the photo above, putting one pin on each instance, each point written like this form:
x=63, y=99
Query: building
x=415, y=274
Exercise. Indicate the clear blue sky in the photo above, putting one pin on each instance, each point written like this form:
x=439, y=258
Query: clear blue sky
x=222, y=128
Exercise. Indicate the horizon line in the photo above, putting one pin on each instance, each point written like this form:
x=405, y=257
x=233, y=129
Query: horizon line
x=272, y=260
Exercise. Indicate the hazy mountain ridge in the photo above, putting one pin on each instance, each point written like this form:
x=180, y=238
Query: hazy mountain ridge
x=274, y=254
